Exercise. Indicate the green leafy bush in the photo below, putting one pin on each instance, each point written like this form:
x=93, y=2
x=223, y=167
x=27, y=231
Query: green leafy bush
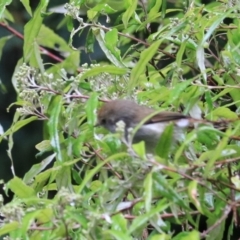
x=177, y=57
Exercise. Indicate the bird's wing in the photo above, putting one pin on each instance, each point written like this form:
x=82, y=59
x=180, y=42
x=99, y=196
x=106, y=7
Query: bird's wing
x=167, y=117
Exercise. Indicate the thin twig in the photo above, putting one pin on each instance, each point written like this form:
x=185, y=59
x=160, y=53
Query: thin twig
x=226, y=212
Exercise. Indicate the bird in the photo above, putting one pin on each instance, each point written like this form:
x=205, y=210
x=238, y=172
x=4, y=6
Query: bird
x=132, y=114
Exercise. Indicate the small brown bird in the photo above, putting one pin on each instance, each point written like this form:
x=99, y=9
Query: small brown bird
x=132, y=114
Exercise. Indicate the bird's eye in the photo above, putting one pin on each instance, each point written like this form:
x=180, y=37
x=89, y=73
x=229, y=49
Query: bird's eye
x=103, y=121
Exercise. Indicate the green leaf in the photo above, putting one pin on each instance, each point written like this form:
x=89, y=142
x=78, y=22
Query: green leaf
x=63, y=178
x=32, y=29
x=103, y=8
x=9, y=227
x=90, y=42
x=54, y=112
x=118, y=235
x=91, y=107
x=111, y=37
x=3, y=4
x=35, y=59
x=8, y=16
x=131, y=7
x=177, y=91
x=48, y=38
x=215, y=21
x=180, y=53
x=165, y=142
x=164, y=6
x=139, y=148
x=92, y=14
x=218, y=231
x=43, y=177
x=140, y=67
x=77, y=144
x=209, y=100
x=155, y=9
x=81, y=218
x=218, y=152
x=164, y=189
x=193, y=194
x=16, y=126
x=44, y=146
x=223, y=112
x=193, y=235
x=234, y=92
x=96, y=185
x=162, y=236
x=45, y=215
x=3, y=41
x=100, y=36
x=208, y=136
x=27, y=220
x=37, y=168
x=27, y=6
x=120, y=222
x=85, y=86
x=141, y=221
x=201, y=61
x=236, y=181
x=70, y=64
x=107, y=69
x=20, y=189
x=147, y=185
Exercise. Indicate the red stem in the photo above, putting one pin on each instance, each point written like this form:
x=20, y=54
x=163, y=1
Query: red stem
x=19, y=35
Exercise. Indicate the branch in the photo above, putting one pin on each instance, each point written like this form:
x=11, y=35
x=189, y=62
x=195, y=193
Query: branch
x=227, y=210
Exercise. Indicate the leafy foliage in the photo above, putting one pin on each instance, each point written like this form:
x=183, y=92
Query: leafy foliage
x=89, y=184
